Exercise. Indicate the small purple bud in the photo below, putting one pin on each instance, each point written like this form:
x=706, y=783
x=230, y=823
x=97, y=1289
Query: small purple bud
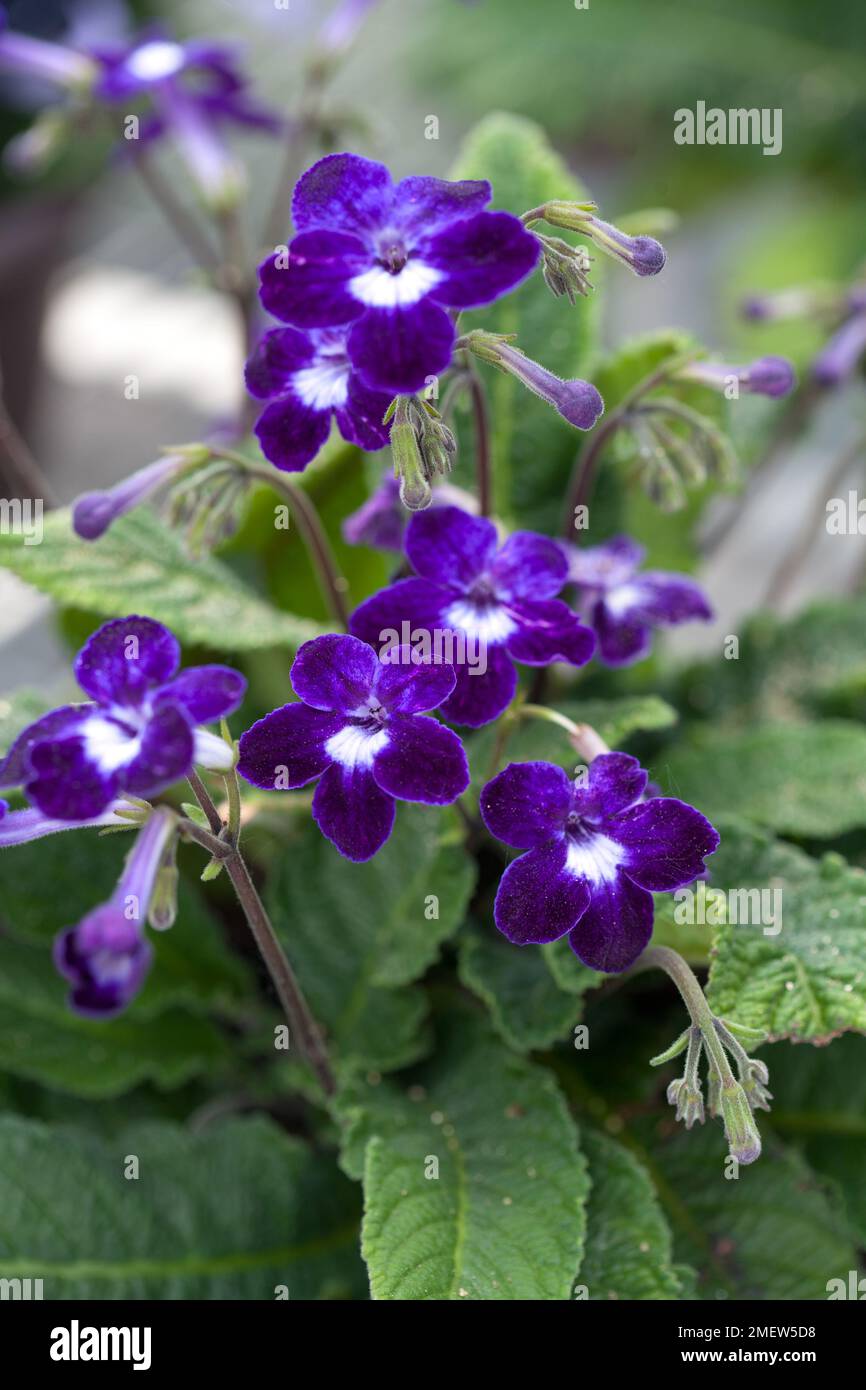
x=643, y=254
x=770, y=376
x=840, y=356
x=578, y=402
x=94, y=512
x=35, y=58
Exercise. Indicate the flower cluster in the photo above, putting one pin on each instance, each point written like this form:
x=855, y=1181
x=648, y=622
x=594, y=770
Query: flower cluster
x=490, y=605
x=137, y=734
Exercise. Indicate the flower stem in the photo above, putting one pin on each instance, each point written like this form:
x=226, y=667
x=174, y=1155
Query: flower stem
x=583, y=737
x=478, y=397
x=663, y=958
x=181, y=221
x=309, y=524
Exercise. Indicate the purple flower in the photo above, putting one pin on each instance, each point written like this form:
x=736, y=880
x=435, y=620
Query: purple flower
x=94, y=512
x=487, y=605
x=308, y=378
x=623, y=606
x=137, y=734
x=597, y=853
x=387, y=260
x=839, y=357
x=106, y=957
x=766, y=376
x=360, y=728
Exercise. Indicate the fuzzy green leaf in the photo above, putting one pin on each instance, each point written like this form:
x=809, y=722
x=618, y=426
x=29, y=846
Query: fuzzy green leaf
x=528, y=1007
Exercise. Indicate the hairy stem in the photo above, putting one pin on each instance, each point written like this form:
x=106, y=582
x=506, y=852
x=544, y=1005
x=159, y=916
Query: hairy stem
x=480, y=416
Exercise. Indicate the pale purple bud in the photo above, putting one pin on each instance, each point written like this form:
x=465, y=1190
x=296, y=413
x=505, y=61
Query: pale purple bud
x=52, y=62
x=578, y=402
x=642, y=254
x=94, y=512
x=20, y=827
x=840, y=355
x=766, y=376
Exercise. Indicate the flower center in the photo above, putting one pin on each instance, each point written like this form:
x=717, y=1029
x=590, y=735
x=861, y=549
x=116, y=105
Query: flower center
x=394, y=258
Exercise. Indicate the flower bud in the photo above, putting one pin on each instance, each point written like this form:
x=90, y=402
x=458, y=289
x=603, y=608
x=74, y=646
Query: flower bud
x=415, y=490
x=741, y=1132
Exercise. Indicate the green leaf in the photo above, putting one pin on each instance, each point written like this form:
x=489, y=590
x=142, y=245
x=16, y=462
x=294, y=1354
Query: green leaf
x=528, y=1007
x=43, y=1040
x=504, y=1217
x=358, y=933
x=772, y=1232
x=802, y=780
x=628, y=1241
x=820, y=1104
x=532, y=447
x=534, y=740
x=233, y=1213
x=141, y=566
x=808, y=982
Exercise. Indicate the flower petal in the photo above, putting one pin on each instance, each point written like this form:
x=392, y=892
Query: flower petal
x=422, y=761
x=448, y=546
x=549, y=631
x=126, y=658
x=286, y=749
x=480, y=697
x=291, y=433
x=526, y=804
x=616, y=781
x=206, y=693
x=105, y=958
x=353, y=812
x=335, y=672
x=15, y=767
x=529, y=566
x=538, y=900
x=615, y=927
x=604, y=566
x=165, y=754
x=666, y=842
x=414, y=602
x=481, y=257
x=663, y=599
x=423, y=205
x=360, y=419
x=278, y=355
x=407, y=686
x=621, y=641
x=345, y=192
x=398, y=350
x=311, y=289
x=66, y=784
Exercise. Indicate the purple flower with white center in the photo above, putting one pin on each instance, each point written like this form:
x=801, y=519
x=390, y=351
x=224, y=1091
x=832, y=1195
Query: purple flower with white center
x=361, y=728
x=388, y=260
x=596, y=854
x=491, y=605
x=94, y=512
x=766, y=376
x=138, y=733
x=623, y=606
x=381, y=521
x=106, y=956
x=308, y=379
x=839, y=357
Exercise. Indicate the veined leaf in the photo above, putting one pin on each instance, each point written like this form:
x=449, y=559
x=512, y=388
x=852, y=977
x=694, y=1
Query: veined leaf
x=528, y=1007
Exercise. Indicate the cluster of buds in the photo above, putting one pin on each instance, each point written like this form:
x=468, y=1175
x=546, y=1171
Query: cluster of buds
x=422, y=448
x=678, y=448
x=733, y=1098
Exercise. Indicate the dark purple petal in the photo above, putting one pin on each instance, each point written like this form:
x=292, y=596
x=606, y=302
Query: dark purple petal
x=165, y=754
x=105, y=958
x=360, y=419
x=478, y=698
x=278, y=355
x=538, y=900
x=346, y=193
x=335, y=672
x=415, y=603
x=666, y=843
x=126, y=658
x=397, y=350
x=380, y=521
x=422, y=761
x=662, y=599
x=311, y=291
x=291, y=433
x=407, y=686
x=615, y=927
x=353, y=812
x=66, y=784
x=206, y=693
x=549, y=631
x=447, y=546
x=480, y=257
x=287, y=749
x=422, y=205
x=621, y=641
x=526, y=804
x=15, y=767
x=604, y=566
x=616, y=781
x=529, y=566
